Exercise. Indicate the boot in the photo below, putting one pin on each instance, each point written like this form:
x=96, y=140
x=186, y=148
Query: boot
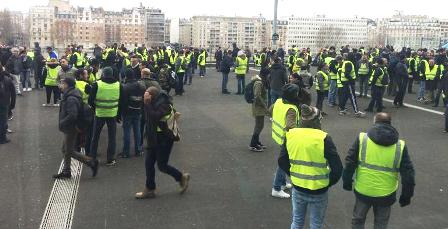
x=146, y=194
x=184, y=183
x=62, y=175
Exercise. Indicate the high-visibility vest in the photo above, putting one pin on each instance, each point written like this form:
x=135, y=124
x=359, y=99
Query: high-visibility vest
x=328, y=60
x=380, y=78
x=408, y=63
x=426, y=64
x=182, y=60
x=173, y=58
x=297, y=65
x=309, y=168
x=201, y=59
x=165, y=118
x=92, y=77
x=79, y=60
x=188, y=58
x=279, y=120
x=378, y=167
x=352, y=72
x=52, y=75
x=30, y=54
x=242, y=66
x=333, y=76
x=106, y=101
x=81, y=85
x=325, y=82
x=430, y=73
x=161, y=55
x=363, y=69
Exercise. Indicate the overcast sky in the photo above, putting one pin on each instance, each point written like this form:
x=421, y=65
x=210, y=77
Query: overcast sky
x=187, y=8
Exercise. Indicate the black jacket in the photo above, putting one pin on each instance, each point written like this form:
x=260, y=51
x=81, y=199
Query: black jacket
x=330, y=153
x=154, y=111
x=278, y=77
x=385, y=135
x=68, y=110
x=226, y=64
x=132, y=97
x=401, y=73
x=7, y=91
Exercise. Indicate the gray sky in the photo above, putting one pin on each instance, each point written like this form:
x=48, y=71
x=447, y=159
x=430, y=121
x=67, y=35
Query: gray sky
x=331, y=8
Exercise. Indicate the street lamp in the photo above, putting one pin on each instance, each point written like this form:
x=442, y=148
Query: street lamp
x=274, y=26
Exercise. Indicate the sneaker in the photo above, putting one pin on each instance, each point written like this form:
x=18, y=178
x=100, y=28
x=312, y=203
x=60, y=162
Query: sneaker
x=94, y=168
x=9, y=131
x=46, y=105
x=255, y=149
x=360, y=114
x=5, y=141
x=10, y=117
x=56, y=105
x=184, y=183
x=287, y=186
x=261, y=146
x=111, y=163
x=146, y=194
x=63, y=175
x=343, y=112
x=30, y=89
x=280, y=194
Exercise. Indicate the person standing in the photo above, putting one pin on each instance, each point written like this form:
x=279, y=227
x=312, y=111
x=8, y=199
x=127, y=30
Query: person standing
x=65, y=70
x=7, y=103
x=423, y=68
x=363, y=69
x=13, y=66
x=278, y=77
x=131, y=107
x=180, y=69
x=432, y=72
x=259, y=110
x=401, y=78
x=442, y=87
x=308, y=151
x=347, y=77
x=159, y=143
x=201, y=62
x=226, y=64
x=25, y=70
x=39, y=65
x=104, y=98
x=322, y=85
x=378, y=80
x=412, y=65
x=378, y=157
x=241, y=68
x=285, y=116
x=51, y=83
x=333, y=73
x=218, y=59
x=71, y=105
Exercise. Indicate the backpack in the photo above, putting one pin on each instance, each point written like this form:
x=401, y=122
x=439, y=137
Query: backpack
x=249, y=92
x=173, y=125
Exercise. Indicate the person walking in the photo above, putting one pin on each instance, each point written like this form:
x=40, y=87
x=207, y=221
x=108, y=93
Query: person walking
x=71, y=105
x=442, y=87
x=227, y=63
x=278, y=77
x=412, y=65
x=347, y=77
x=241, y=69
x=51, y=84
x=322, y=81
x=333, y=73
x=401, y=78
x=377, y=157
x=105, y=99
x=7, y=102
x=285, y=116
x=159, y=143
x=259, y=110
x=131, y=107
x=308, y=151
x=378, y=80
x=39, y=65
x=423, y=69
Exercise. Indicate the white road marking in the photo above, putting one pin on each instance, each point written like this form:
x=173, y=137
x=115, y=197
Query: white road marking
x=61, y=204
x=391, y=101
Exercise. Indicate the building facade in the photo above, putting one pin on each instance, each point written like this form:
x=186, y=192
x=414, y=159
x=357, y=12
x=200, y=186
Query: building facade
x=185, y=32
x=317, y=32
x=41, y=23
x=154, y=27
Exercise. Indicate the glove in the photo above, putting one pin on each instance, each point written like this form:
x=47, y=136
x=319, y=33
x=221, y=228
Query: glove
x=347, y=186
x=118, y=120
x=404, y=201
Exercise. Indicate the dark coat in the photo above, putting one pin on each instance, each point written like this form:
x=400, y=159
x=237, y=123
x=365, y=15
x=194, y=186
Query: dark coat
x=278, y=77
x=94, y=90
x=69, y=109
x=132, y=97
x=385, y=135
x=226, y=64
x=154, y=111
x=7, y=91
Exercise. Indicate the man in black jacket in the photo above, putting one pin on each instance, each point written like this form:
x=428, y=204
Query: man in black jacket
x=131, y=107
x=218, y=58
x=227, y=63
x=69, y=109
x=7, y=103
x=383, y=135
x=307, y=158
x=401, y=78
x=278, y=77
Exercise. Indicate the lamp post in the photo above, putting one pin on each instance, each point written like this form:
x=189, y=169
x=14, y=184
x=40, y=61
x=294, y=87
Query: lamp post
x=274, y=25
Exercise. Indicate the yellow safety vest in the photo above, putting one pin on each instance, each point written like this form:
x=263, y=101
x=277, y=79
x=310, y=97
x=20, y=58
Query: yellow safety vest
x=79, y=60
x=363, y=69
x=352, y=72
x=52, y=75
x=106, y=101
x=279, y=120
x=241, y=69
x=325, y=82
x=81, y=85
x=309, y=168
x=201, y=59
x=431, y=73
x=380, y=78
x=377, y=172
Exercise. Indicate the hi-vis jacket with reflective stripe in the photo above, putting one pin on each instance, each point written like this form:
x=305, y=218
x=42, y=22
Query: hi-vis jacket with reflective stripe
x=279, y=112
x=106, y=101
x=377, y=172
x=309, y=168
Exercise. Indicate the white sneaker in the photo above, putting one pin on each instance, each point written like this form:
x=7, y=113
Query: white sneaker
x=287, y=186
x=280, y=194
x=56, y=105
x=360, y=114
x=30, y=89
x=46, y=105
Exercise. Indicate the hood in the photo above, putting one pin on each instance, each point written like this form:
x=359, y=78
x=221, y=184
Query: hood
x=383, y=134
x=276, y=66
x=73, y=92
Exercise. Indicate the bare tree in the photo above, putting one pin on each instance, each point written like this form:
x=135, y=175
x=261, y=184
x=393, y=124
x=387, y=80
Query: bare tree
x=6, y=28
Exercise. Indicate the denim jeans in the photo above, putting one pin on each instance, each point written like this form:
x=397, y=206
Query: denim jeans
x=131, y=122
x=202, y=70
x=363, y=85
x=316, y=204
x=279, y=179
x=332, y=92
x=275, y=95
x=381, y=215
x=98, y=125
x=16, y=80
x=188, y=77
x=421, y=91
x=25, y=79
x=225, y=79
x=68, y=151
x=241, y=84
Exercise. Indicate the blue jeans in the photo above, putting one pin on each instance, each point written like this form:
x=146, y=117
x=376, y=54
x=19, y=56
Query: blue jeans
x=332, y=92
x=131, y=122
x=241, y=84
x=275, y=95
x=421, y=91
x=279, y=179
x=25, y=79
x=188, y=76
x=225, y=79
x=317, y=205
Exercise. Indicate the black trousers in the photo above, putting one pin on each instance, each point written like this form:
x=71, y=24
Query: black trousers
x=180, y=83
x=410, y=83
x=402, y=85
x=111, y=134
x=437, y=99
x=377, y=98
x=348, y=92
x=446, y=118
x=160, y=154
x=320, y=98
x=3, y=122
x=259, y=125
x=56, y=93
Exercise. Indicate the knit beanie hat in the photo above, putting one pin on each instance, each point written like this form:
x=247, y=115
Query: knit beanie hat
x=71, y=82
x=309, y=113
x=108, y=72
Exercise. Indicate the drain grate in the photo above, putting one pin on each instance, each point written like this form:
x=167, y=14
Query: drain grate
x=61, y=204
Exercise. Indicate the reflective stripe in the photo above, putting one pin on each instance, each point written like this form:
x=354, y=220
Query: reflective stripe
x=308, y=163
x=278, y=125
x=377, y=167
x=309, y=177
x=106, y=107
x=278, y=135
x=107, y=101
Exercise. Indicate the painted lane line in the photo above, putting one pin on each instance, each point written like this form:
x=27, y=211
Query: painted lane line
x=61, y=203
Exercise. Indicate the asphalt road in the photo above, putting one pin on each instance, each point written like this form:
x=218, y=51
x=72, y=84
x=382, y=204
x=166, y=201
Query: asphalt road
x=230, y=186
